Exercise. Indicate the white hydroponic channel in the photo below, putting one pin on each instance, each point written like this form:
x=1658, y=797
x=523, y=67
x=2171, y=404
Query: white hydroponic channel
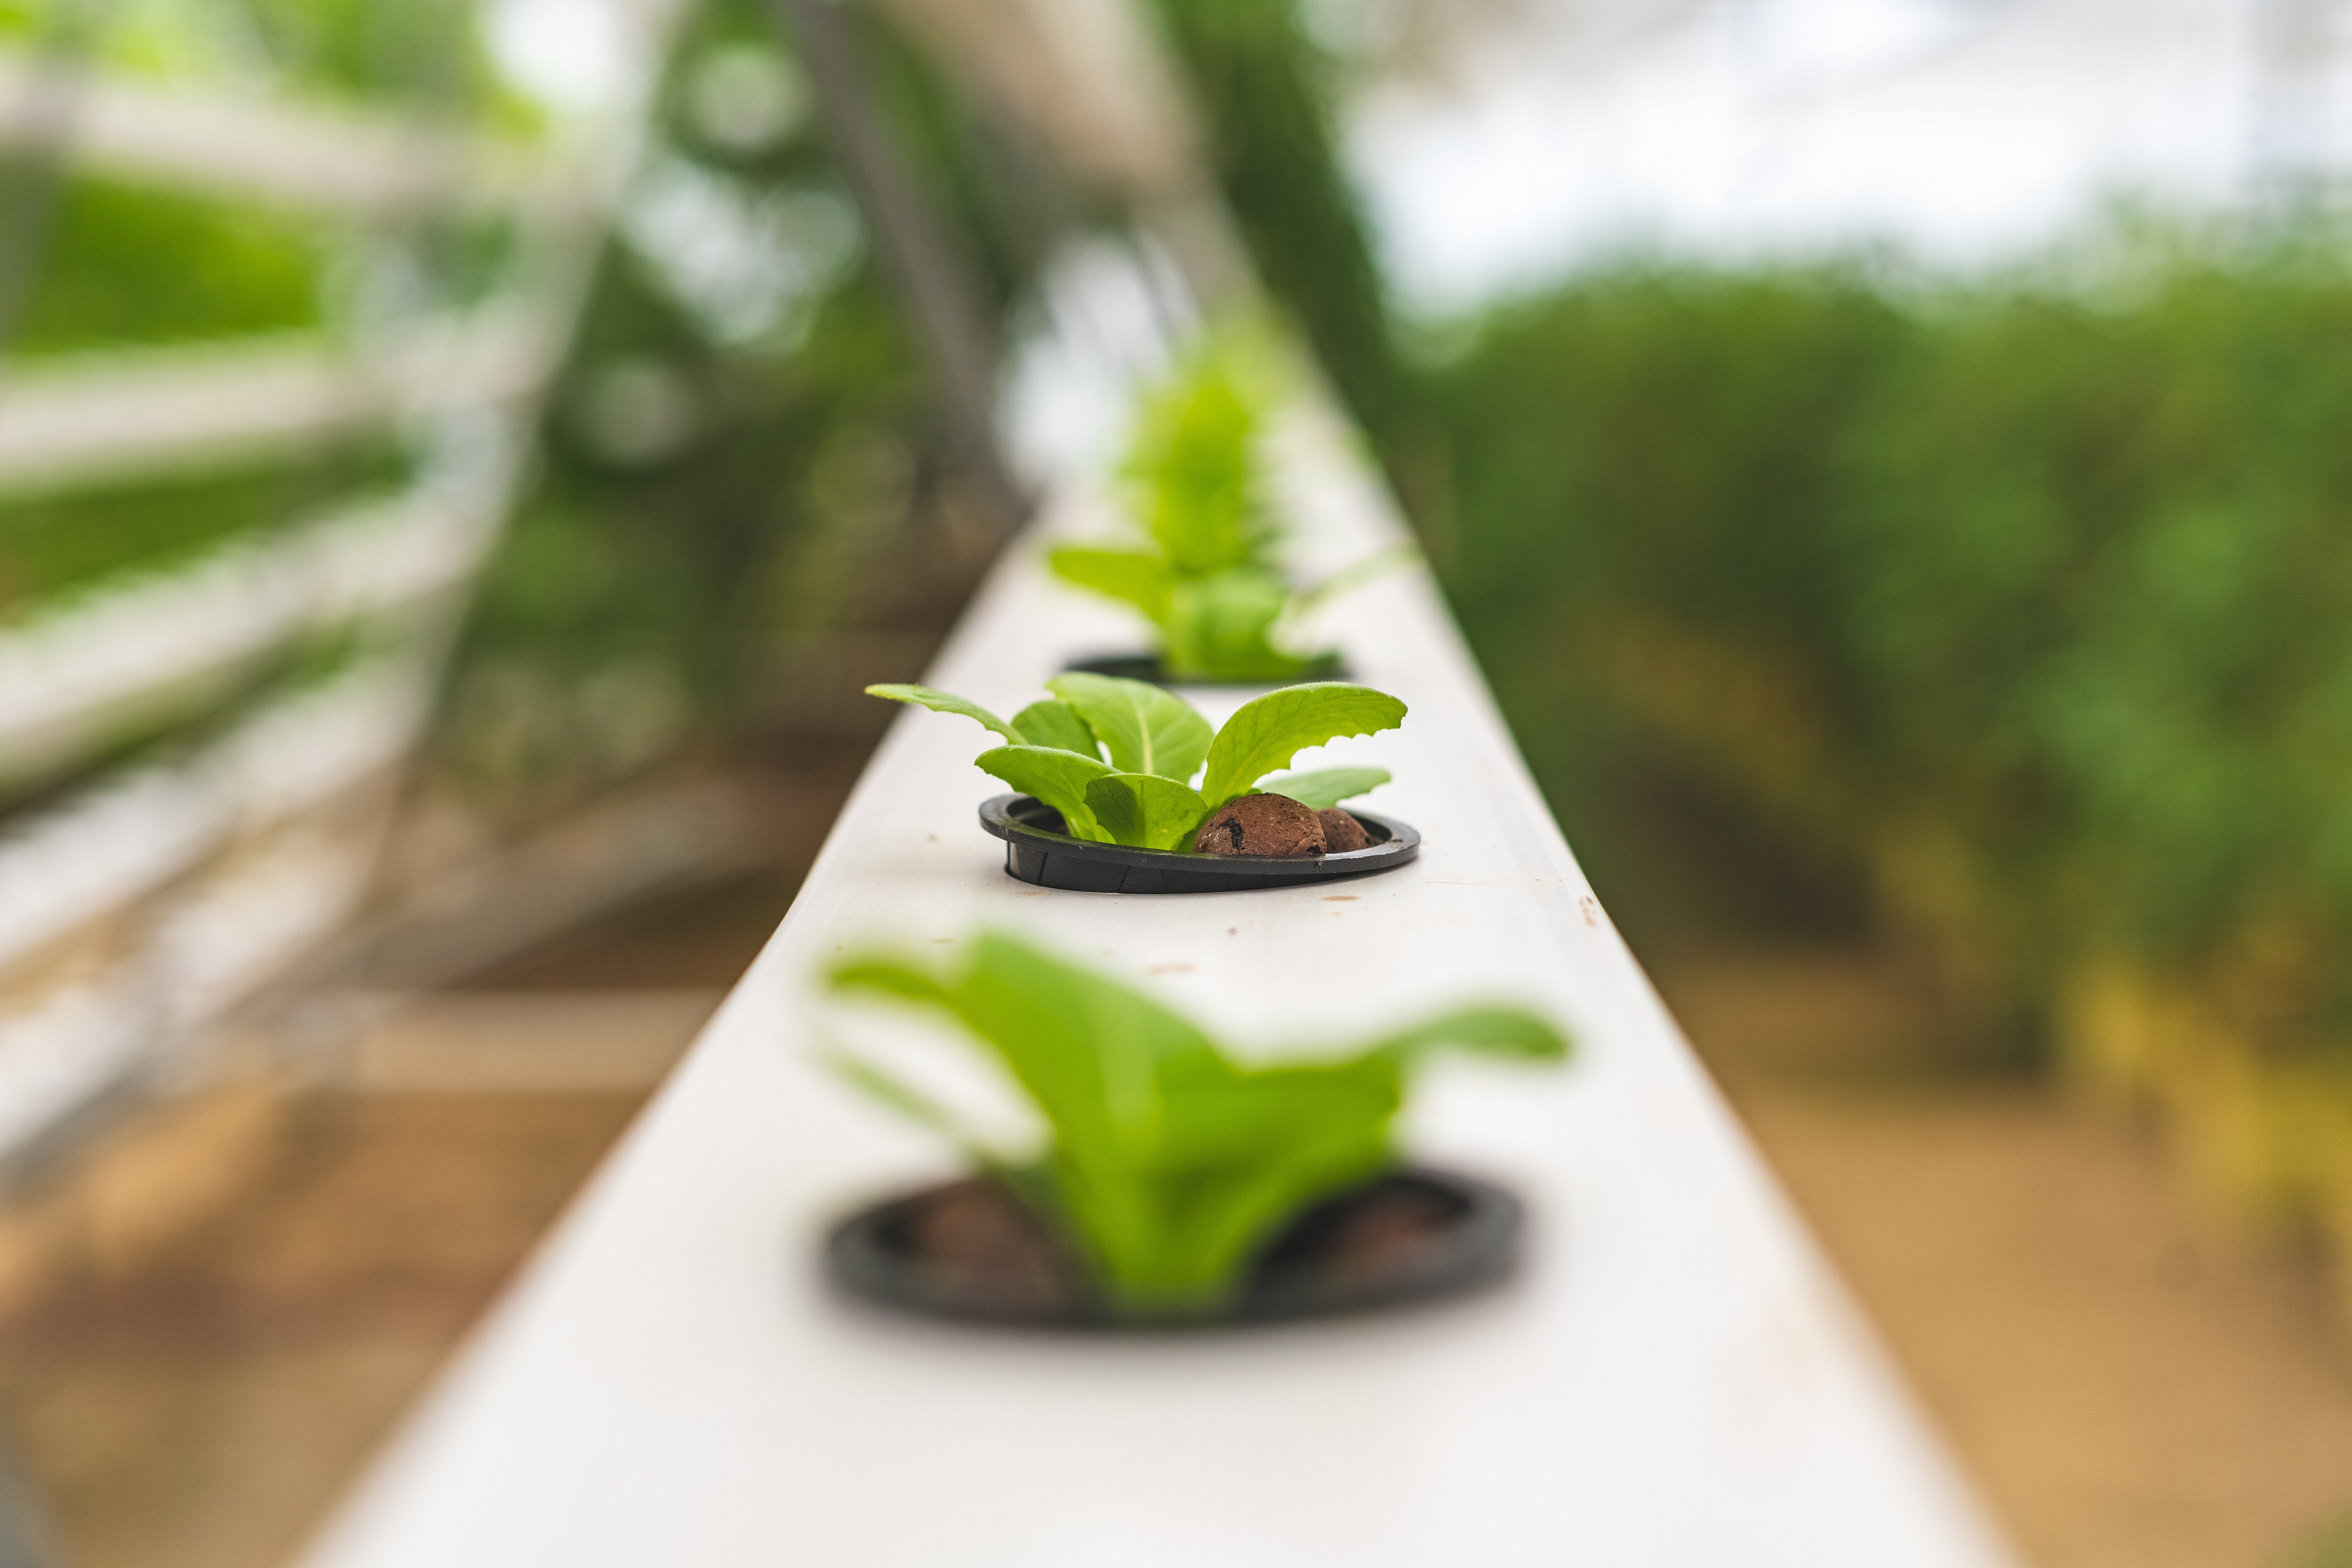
x=1674, y=1379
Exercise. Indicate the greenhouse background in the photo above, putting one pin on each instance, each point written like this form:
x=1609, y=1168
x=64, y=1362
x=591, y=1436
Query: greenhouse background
x=460, y=465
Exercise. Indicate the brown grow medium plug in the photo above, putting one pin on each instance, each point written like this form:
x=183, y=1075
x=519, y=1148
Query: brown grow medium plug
x=1262, y=825
x=1341, y=832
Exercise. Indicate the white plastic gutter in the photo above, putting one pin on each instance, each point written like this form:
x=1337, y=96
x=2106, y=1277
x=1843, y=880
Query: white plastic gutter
x=1674, y=1379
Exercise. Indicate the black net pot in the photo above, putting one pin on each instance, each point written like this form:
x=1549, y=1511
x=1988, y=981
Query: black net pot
x=1147, y=667
x=1413, y=1234
x=1038, y=852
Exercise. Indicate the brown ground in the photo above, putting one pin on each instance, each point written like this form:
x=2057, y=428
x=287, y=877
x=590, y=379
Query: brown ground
x=210, y=1319
x=2132, y=1382
x=208, y=1322
x=191, y=1396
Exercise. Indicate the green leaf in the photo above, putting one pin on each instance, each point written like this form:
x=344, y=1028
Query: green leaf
x=1322, y=788
x=946, y=702
x=1269, y=730
x=1195, y=461
x=1091, y=1053
x=888, y=977
x=1058, y=778
x=1229, y=1213
x=1056, y=724
x=1307, y=600
x=917, y=1107
x=1147, y=811
x=1235, y=1116
x=1146, y=729
x=1170, y=1166
x=1142, y=580
x=1222, y=627
x=1492, y=1031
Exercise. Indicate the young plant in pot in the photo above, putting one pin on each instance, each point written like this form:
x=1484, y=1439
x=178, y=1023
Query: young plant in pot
x=1170, y=1185
x=1204, y=570
x=1106, y=768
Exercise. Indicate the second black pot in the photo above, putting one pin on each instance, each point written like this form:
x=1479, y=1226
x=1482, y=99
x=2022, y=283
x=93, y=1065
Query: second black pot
x=1147, y=667
x=1038, y=852
x=1413, y=1234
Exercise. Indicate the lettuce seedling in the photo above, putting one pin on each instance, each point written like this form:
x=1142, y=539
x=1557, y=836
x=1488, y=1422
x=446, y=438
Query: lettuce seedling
x=1167, y=1165
x=1205, y=574
x=1156, y=743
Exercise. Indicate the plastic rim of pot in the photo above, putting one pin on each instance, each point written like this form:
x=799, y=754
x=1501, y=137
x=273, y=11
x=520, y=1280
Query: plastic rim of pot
x=1038, y=852
x=867, y=1258
x=1146, y=667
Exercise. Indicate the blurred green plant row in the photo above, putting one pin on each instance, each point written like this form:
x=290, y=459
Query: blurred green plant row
x=95, y=265
x=235, y=271
x=743, y=457
x=741, y=439
x=2008, y=617
x=428, y=56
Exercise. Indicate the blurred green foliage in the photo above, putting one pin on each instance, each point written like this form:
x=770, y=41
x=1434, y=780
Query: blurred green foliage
x=2020, y=605
x=428, y=52
x=234, y=269
x=52, y=545
x=94, y=263
x=2332, y=1548
x=427, y=57
x=1194, y=470
x=742, y=461
x=1264, y=90
x=1206, y=575
x=1166, y=1163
